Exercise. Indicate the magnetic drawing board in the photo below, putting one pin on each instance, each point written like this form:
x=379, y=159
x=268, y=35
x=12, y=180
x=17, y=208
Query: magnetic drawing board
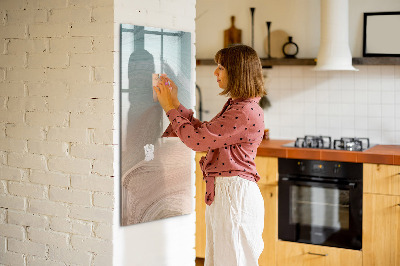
x=155, y=172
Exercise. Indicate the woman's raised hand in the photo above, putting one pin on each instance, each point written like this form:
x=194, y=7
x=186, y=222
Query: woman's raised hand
x=174, y=89
x=164, y=94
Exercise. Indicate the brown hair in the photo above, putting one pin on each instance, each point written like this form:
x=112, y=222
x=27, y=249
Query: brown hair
x=245, y=78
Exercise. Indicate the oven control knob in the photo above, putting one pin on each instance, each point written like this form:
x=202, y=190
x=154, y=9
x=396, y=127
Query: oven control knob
x=336, y=169
x=302, y=167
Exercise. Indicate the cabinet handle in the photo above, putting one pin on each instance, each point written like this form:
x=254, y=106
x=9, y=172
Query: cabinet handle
x=318, y=254
x=398, y=204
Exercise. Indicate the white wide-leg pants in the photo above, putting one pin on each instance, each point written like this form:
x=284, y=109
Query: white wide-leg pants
x=234, y=223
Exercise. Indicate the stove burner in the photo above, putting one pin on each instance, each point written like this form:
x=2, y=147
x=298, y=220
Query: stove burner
x=308, y=141
x=324, y=142
x=351, y=144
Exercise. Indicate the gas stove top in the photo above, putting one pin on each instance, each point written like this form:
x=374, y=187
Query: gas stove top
x=325, y=142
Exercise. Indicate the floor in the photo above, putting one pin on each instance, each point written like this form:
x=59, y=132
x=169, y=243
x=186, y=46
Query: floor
x=199, y=262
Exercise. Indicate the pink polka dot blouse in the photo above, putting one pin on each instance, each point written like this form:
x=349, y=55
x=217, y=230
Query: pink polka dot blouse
x=231, y=139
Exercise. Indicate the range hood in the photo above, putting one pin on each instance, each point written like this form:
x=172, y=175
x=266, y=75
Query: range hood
x=334, y=51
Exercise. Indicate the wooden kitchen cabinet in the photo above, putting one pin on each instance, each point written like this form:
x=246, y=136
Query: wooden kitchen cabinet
x=298, y=254
x=270, y=233
x=381, y=179
x=200, y=209
x=381, y=230
x=381, y=215
x=267, y=167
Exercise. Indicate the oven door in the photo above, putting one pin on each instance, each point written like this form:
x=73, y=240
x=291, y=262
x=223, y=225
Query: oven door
x=321, y=212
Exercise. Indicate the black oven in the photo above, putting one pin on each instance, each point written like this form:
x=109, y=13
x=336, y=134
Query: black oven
x=320, y=202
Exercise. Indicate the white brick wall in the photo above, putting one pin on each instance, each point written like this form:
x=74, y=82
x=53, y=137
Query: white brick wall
x=47, y=207
x=28, y=219
x=49, y=178
x=73, y=45
x=10, y=173
x=70, y=256
x=56, y=126
x=12, y=89
x=26, y=16
x=20, y=46
x=27, y=247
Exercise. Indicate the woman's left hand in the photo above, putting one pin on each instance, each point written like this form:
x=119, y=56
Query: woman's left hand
x=163, y=92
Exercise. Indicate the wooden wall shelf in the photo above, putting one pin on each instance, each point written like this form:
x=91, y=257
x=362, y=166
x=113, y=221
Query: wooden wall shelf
x=376, y=61
x=312, y=61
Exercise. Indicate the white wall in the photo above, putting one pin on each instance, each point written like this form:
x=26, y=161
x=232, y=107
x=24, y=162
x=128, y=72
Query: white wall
x=56, y=121
x=338, y=104
x=169, y=241
x=299, y=18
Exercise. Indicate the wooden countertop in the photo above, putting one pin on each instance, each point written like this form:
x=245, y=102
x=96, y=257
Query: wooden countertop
x=379, y=154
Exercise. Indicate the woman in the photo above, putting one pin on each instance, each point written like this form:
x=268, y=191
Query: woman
x=235, y=207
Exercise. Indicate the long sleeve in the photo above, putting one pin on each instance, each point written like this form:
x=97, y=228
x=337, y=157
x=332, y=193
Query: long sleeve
x=186, y=113
x=231, y=139
x=225, y=130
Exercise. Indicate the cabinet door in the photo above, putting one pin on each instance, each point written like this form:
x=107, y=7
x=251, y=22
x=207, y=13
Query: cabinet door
x=200, y=209
x=381, y=230
x=381, y=179
x=267, y=168
x=270, y=233
x=297, y=254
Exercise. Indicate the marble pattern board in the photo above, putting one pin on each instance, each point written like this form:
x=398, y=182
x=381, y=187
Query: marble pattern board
x=156, y=172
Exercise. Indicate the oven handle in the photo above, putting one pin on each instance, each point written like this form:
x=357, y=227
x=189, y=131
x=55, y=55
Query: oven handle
x=297, y=181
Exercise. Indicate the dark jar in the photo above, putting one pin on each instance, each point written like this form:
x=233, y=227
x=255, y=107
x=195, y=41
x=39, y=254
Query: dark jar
x=290, y=49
